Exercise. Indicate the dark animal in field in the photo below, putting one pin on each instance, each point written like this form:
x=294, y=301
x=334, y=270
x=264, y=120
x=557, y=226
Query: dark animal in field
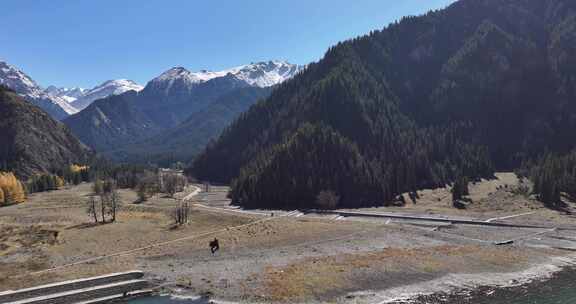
x=214, y=246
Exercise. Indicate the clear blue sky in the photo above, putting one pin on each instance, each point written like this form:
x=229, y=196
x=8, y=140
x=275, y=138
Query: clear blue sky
x=84, y=42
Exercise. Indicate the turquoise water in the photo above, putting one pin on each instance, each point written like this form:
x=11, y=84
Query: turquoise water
x=167, y=300
x=563, y=292
x=559, y=290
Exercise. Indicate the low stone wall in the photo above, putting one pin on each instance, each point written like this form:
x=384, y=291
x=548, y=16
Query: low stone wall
x=120, y=298
x=80, y=295
x=62, y=287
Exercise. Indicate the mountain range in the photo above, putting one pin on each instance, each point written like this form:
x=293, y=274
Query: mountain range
x=129, y=122
x=68, y=94
x=480, y=86
x=137, y=125
x=22, y=84
x=60, y=102
x=80, y=98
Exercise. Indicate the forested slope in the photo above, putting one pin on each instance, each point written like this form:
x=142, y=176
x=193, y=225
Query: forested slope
x=480, y=86
x=31, y=141
x=189, y=138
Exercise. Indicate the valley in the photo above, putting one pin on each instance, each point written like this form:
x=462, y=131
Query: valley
x=273, y=258
x=431, y=159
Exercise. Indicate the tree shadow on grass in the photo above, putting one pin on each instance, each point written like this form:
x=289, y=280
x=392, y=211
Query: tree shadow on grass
x=87, y=225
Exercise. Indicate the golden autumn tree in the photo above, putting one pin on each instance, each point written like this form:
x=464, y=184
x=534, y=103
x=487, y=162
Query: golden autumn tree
x=59, y=181
x=1, y=197
x=12, y=188
x=77, y=168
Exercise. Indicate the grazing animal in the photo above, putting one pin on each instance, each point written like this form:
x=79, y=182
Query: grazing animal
x=214, y=246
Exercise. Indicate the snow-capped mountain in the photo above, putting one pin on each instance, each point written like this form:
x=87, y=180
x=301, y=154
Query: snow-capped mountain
x=68, y=94
x=80, y=98
x=261, y=74
x=266, y=74
x=170, y=99
x=15, y=79
x=110, y=87
x=178, y=92
x=22, y=84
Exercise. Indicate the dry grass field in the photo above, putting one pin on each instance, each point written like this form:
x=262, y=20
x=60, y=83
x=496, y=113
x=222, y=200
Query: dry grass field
x=270, y=259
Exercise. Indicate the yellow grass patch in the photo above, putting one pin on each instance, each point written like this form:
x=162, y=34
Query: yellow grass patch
x=314, y=277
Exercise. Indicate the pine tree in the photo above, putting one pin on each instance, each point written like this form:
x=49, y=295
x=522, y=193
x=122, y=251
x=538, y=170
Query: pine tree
x=327, y=200
x=460, y=188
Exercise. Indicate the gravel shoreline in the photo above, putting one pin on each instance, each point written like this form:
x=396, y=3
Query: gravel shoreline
x=469, y=288
x=285, y=259
x=452, y=288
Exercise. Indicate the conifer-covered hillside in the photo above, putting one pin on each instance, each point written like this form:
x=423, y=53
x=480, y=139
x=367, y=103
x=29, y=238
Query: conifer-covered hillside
x=31, y=141
x=479, y=86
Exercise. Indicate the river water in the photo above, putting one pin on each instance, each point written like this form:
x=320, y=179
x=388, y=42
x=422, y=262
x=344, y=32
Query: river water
x=561, y=289
x=168, y=300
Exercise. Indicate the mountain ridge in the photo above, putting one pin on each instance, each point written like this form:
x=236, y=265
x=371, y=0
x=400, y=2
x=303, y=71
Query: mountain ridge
x=80, y=98
x=21, y=83
x=167, y=101
x=107, y=88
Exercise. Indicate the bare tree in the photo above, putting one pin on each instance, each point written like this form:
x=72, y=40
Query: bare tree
x=114, y=204
x=170, y=185
x=181, y=213
x=91, y=210
x=173, y=183
x=109, y=200
x=103, y=207
x=97, y=187
x=327, y=200
x=147, y=186
x=142, y=192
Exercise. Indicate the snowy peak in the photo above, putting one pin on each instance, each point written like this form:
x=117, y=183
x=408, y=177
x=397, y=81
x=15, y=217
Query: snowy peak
x=22, y=84
x=108, y=88
x=68, y=94
x=182, y=74
x=267, y=74
x=18, y=81
x=117, y=86
x=61, y=102
x=261, y=74
x=174, y=73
